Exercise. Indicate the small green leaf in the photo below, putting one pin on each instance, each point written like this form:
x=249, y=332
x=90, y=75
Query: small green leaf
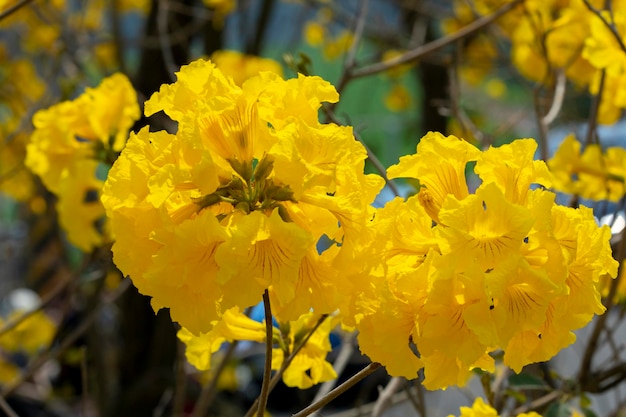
x=527, y=381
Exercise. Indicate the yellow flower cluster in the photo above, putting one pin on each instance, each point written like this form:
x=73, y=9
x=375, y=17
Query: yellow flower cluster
x=254, y=194
x=593, y=173
x=459, y=275
x=73, y=143
x=551, y=36
x=237, y=200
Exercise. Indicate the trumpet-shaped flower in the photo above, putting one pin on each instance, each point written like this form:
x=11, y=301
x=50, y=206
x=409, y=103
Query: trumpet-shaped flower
x=439, y=164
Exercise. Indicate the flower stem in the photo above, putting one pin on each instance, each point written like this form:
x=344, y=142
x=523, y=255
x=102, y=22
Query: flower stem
x=278, y=375
x=268, y=355
x=369, y=369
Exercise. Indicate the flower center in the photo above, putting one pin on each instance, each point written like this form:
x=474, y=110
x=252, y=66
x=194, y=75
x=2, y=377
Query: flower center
x=251, y=189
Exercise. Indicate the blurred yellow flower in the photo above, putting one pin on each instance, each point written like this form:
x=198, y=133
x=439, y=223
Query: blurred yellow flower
x=398, y=99
x=241, y=67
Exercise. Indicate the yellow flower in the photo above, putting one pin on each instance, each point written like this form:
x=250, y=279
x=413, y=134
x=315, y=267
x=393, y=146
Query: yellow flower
x=513, y=169
x=239, y=197
x=398, y=98
x=30, y=335
x=486, y=227
x=439, y=164
x=8, y=372
x=478, y=409
x=233, y=325
x=396, y=71
x=309, y=366
x=602, y=49
x=80, y=212
x=314, y=33
x=222, y=9
x=592, y=174
x=338, y=45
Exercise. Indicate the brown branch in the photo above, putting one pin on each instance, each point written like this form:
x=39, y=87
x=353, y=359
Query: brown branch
x=435, y=45
x=363, y=373
x=593, y=113
x=371, y=156
x=45, y=356
x=269, y=330
x=609, y=25
x=9, y=11
x=278, y=375
x=210, y=389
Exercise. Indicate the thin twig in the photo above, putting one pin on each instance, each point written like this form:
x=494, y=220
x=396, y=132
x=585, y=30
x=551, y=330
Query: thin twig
x=180, y=382
x=609, y=25
x=539, y=402
x=278, y=375
x=543, y=127
x=363, y=373
x=371, y=156
x=384, y=398
x=593, y=113
x=435, y=45
x=14, y=8
x=7, y=408
x=78, y=331
x=417, y=403
x=84, y=375
x=164, y=38
x=557, y=100
x=466, y=122
x=210, y=389
x=267, y=372
x=339, y=366
x=58, y=289
x=350, y=60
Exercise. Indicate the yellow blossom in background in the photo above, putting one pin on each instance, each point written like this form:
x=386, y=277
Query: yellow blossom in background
x=337, y=45
x=496, y=88
x=593, y=173
x=314, y=33
x=72, y=141
x=222, y=9
x=8, y=372
x=398, y=70
x=478, y=59
x=398, y=99
x=30, y=335
x=15, y=179
x=239, y=197
x=241, y=67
